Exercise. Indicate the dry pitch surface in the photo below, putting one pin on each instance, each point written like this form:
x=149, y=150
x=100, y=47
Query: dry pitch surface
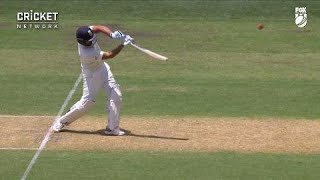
x=168, y=134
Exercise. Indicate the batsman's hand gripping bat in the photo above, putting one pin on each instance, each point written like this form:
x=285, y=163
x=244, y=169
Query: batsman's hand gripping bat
x=150, y=53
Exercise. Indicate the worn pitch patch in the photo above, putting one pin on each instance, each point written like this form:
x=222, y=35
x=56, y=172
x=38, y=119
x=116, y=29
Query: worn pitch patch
x=169, y=134
x=23, y=132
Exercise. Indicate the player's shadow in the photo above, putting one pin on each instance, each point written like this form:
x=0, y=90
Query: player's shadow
x=128, y=133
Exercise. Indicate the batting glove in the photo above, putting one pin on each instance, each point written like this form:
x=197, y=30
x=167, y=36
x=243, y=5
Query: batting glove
x=117, y=35
x=126, y=43
x=127, y=40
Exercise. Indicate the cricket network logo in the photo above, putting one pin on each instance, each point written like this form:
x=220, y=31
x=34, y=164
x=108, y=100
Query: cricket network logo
x=301, y=16
x=37, y=20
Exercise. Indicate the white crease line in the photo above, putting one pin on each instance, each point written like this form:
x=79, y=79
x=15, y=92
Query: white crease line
x=18, y=148
x=50, y=131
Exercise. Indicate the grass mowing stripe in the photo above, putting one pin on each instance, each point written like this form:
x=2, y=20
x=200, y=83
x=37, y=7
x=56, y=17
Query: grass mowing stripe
x=24, y=116
x=148, y=165
x=19, y=148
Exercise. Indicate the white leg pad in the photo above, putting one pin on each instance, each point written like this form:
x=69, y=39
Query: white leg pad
x=114, y=108
x=75, y=105
x=77, y=111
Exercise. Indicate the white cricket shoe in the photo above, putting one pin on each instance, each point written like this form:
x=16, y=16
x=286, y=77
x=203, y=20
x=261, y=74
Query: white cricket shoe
x=58, y=126
x=115, y=132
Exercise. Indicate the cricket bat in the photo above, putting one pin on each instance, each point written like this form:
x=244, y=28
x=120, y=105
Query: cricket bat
x=150, y=53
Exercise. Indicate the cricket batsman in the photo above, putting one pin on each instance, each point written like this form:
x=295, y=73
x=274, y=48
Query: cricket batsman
x=96, y=75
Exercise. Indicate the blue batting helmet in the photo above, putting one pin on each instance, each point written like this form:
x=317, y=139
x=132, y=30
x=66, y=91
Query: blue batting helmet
x=85, y=36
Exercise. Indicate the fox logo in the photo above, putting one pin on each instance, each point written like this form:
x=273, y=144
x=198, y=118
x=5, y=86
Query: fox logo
x=301, y=16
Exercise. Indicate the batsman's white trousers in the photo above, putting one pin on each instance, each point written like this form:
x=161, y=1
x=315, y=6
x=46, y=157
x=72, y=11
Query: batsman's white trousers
x=93, y=81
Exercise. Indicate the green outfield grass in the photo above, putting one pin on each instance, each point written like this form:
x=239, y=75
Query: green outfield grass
x=219, y=65
x=147, y=165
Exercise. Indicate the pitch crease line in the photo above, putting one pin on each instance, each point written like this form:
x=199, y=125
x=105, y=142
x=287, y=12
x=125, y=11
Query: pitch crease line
x=50, y=130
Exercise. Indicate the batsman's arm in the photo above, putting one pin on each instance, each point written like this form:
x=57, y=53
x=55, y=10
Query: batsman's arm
x=104, y=29
x=112, y=53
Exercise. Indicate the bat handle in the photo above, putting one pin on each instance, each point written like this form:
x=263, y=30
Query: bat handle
x=132, y=43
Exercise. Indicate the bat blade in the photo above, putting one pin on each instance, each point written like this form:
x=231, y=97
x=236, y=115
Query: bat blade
x=150, y=53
